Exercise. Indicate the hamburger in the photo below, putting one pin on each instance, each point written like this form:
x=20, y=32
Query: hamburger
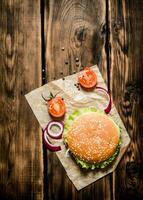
x=92, y=138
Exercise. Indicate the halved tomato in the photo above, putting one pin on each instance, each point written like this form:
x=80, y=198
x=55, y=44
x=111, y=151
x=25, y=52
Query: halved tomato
x=87, y=78
x=56, y=107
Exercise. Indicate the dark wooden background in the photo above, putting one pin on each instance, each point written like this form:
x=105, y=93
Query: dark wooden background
x=32, y=36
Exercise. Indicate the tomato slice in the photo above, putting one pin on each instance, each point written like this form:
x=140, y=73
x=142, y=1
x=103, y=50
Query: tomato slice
x=56, y=107
x=87, y=78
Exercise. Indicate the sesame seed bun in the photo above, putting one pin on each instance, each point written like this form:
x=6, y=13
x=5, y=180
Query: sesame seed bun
x=93, y=137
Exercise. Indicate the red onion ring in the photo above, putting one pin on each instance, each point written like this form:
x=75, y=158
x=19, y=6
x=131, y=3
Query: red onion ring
x=52, y=134
x=48, y=143
x=109, y=106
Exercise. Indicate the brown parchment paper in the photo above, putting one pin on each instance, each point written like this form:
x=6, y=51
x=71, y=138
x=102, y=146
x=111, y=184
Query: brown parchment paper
x=76, y=99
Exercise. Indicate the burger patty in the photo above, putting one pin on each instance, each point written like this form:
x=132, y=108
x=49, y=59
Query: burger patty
x=93, y=137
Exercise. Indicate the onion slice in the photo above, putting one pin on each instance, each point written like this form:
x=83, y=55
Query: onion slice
x=109, y=106
x=52, y=134
x=48, y=143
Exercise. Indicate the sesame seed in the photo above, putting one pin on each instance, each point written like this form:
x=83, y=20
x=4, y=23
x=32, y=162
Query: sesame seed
x=77, y=59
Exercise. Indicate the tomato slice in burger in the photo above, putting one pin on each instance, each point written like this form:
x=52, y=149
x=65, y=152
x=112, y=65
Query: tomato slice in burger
x=87, y=78
x=56, y=107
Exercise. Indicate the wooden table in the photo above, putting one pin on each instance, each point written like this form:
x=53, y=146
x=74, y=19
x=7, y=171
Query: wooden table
x=44, y=40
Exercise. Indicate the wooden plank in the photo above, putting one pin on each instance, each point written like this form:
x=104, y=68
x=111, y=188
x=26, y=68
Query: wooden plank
x=74, y=29
x=21, y=161
x=126, y=23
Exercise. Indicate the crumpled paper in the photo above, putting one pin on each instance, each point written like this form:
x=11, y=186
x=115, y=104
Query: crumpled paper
x=74, y=99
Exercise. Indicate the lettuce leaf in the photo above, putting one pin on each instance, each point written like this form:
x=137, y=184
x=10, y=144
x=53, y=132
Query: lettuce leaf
x=68, y=124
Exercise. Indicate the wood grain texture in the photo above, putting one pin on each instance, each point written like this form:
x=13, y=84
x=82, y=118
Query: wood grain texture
x=74, y=29
x=75, y=33
x=126, y=24
x=21, y=161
